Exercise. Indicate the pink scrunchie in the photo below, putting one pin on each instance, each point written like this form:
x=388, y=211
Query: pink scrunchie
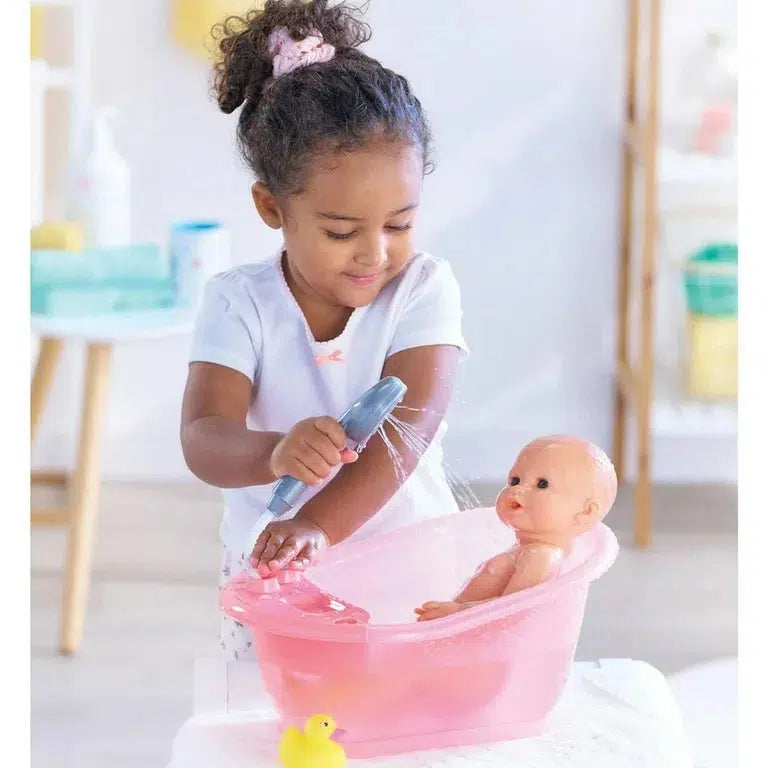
x=289, y=54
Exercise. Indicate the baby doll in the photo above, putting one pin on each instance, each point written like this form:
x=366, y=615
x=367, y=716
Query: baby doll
x=559, y=488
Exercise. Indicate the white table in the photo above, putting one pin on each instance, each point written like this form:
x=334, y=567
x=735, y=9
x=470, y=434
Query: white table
x=79, y=514
x=614, y=714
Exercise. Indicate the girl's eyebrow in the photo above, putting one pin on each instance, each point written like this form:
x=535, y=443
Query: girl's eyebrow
x=343, y=217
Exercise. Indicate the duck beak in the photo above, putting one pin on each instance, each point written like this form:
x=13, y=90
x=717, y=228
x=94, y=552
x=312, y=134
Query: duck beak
x=340, y=735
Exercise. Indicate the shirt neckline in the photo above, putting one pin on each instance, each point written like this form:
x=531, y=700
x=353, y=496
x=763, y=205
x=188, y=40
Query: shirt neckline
x=352, y=320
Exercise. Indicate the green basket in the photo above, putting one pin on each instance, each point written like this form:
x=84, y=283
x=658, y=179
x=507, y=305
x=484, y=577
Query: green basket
x=711, y=281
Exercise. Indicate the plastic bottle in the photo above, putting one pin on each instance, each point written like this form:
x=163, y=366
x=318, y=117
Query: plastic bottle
x=106, y=191
x=712, y=88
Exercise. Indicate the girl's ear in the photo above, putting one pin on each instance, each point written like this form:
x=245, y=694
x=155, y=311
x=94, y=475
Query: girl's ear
x=266, y=205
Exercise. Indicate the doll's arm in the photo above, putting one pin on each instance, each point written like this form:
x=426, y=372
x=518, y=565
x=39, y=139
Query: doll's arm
x=533, y=566
x=489, y=581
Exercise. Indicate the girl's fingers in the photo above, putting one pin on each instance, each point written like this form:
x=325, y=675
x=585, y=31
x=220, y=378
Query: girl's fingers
x=285, y=554
x=303, y=559
x=301, y=471
x=324, y=448
x=313, y=461
x=273, y=545
x=348, y=456
x=332, y=430
x=258, y=547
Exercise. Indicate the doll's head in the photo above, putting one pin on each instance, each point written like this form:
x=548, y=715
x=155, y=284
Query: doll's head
x=558, y=488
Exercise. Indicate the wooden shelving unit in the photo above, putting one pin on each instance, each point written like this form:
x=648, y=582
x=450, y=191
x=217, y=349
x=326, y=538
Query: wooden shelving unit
x=634, y=381
x=657, y=182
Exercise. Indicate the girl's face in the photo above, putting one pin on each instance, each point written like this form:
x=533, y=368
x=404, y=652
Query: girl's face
x=350, y=230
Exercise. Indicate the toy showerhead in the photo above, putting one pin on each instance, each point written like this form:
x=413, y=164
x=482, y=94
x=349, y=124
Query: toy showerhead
x=359, y=422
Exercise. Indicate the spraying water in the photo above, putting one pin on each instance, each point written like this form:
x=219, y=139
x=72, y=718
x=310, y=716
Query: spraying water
x=397, y=460
x=416, y=442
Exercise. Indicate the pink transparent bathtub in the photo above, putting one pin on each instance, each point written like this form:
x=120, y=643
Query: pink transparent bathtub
x=345, y=641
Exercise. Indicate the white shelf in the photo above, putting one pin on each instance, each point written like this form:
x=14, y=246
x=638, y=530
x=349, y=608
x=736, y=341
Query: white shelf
x=694, y=419
x=674, y=415
x=49, y=77
x=691, y=181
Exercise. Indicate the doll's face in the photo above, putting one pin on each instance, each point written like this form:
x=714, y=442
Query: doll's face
x=550, y=491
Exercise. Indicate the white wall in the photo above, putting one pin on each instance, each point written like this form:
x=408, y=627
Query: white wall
x=525, y=100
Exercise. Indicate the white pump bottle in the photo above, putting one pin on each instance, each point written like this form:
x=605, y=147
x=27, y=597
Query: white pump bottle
x=106, y=193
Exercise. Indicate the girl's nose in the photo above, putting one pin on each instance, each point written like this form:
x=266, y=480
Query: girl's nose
x=373, y=253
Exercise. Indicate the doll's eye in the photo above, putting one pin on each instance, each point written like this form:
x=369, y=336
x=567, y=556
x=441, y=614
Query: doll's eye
x=514, y=480
x=542, y=483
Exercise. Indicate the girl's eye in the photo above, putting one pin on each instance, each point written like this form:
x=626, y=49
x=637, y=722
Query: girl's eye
x=339, y=235
x=514, y=481
x=401, y=228
x=542, y=483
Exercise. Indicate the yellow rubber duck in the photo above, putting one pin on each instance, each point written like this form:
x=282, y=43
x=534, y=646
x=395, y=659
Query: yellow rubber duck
x=313, y=748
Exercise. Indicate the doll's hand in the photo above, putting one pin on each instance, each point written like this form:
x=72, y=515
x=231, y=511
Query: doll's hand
x=287, y=544
x=311, y=450
x=437, y=610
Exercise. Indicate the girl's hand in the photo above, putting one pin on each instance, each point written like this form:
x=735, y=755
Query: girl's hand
x=289, y=543
x=436, y=610
x=311, y=450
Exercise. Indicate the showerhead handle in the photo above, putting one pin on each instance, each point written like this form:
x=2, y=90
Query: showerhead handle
x=359, y=422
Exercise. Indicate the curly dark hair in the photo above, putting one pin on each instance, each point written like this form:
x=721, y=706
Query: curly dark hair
x=339, y=105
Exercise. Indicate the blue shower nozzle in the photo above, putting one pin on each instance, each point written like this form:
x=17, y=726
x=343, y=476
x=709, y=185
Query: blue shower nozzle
x=359, y=422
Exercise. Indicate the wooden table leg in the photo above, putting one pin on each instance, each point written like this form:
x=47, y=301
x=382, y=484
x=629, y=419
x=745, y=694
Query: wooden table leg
x=42, y=378
x=84, y=497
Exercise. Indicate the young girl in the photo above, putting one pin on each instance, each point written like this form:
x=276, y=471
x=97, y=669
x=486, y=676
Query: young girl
x=339, y=146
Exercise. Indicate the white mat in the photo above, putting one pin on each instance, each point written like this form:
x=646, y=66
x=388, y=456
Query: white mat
x=615, y=714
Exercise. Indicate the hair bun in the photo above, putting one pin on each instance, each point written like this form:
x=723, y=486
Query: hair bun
x=244, y=65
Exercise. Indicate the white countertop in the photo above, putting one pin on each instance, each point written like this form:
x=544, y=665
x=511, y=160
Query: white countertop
x=614, y=714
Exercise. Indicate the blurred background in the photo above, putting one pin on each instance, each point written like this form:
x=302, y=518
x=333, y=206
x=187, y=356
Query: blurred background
x=133, y=206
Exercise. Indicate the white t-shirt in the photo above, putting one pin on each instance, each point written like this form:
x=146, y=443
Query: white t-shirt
x=250, y=321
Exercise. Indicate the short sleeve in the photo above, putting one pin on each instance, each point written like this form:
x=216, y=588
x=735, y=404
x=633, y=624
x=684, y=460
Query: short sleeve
x=228, y=328
x=432, y=313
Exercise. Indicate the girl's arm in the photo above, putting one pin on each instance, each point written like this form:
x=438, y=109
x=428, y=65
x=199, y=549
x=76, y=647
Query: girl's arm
x=222, y=451
x=361, y=489
x=217, y=445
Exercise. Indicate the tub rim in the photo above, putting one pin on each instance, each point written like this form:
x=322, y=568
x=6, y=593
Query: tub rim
x=602, y=555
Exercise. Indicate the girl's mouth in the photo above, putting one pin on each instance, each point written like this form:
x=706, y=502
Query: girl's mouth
x=362, y=280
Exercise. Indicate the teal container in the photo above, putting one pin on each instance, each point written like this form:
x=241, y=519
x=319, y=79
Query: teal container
x=86, y=300
x=711, y=281
x=99, y=266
